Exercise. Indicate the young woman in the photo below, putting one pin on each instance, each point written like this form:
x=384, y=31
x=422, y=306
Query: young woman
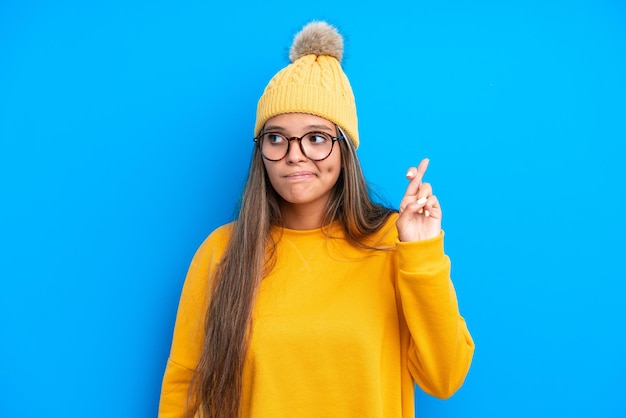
x=316, y=301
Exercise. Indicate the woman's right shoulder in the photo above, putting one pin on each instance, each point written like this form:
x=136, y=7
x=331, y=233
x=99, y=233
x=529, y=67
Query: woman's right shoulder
x=221, y=233
x=215, y=244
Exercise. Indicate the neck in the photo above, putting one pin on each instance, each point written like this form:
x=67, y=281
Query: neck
x=302, y=217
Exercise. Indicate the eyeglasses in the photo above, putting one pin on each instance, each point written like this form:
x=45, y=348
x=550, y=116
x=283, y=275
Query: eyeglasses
x=316, y=146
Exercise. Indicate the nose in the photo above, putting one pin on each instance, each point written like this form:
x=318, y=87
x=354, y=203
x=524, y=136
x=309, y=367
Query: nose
x=294, y=153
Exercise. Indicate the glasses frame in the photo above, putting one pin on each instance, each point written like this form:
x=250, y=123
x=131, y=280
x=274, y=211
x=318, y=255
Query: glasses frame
x=334, y=139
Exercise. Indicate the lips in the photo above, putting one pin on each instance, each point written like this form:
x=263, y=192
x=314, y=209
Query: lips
x=299, y=175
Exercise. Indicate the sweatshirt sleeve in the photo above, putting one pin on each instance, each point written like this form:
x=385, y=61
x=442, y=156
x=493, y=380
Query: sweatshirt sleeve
x=188, y=338
x=441, y=347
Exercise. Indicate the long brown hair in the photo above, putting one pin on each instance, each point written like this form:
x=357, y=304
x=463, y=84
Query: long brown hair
x=217, y=383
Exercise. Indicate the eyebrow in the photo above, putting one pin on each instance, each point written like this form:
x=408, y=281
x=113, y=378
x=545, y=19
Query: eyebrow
x=282, y=129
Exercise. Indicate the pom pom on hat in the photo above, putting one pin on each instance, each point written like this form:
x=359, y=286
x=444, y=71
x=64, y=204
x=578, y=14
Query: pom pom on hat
x=317, y=38
x=313, y=82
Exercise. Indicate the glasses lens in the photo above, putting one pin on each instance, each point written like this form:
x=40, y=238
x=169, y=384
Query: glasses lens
x=274, y=146
x=317, y=145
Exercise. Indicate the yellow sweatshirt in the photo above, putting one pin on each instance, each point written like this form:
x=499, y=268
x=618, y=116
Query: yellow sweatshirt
x=337, y=331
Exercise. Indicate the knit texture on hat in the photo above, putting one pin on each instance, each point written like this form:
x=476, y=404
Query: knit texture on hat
x=313, y=82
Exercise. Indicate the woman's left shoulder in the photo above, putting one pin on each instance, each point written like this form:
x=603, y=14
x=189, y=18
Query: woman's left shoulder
x=387, y=235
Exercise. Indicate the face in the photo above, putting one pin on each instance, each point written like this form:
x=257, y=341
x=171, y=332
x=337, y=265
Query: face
x=298, y=180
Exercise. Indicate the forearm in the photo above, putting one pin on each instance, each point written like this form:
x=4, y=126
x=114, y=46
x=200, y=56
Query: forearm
x=441, y=347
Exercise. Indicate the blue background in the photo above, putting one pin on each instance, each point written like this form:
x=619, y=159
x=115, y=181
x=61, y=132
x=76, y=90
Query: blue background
x=125, y=136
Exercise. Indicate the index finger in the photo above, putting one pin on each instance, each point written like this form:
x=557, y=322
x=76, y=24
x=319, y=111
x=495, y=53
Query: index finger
x=416, y=177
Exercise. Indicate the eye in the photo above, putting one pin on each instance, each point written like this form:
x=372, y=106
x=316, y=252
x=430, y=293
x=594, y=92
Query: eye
x=274, y=138
x=318, y=138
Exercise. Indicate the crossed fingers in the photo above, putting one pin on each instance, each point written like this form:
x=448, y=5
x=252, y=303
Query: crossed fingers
x=419, y=198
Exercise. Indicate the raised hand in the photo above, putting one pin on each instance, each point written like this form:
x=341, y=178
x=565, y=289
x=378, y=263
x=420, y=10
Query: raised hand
x=420, y=213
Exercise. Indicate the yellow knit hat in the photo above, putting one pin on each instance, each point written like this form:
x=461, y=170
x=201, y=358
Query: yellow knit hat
x=313, y=83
